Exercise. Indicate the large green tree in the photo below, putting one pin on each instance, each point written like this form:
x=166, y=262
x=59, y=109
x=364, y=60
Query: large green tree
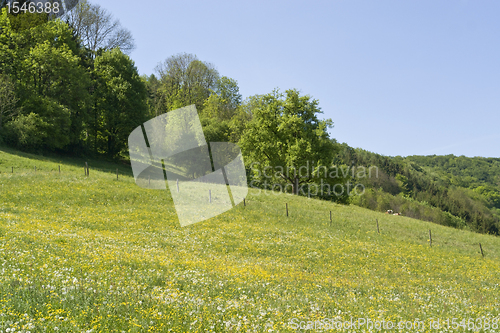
x=120, y=102
x=42, y=59
x=285, y=135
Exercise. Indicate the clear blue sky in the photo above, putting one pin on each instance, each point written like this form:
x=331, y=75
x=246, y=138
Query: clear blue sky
x=396, y=77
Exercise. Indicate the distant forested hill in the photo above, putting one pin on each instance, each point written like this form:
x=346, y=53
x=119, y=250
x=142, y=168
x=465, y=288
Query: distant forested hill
x=458, y=191
x=462, y=171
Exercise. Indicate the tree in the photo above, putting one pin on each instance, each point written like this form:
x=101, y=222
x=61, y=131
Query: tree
x=154, y=105
x=222, y=115
x=51, y=85
x=224, y=101
x=121, y=101
x=491, y=194
x=25, y=20
x=238, y=123
x=285, y=135
x=185, y=80
x=97, y=28
x=8, y=99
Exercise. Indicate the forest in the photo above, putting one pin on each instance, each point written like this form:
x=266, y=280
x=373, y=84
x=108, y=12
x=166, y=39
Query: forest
x=68, y=88
x=457, y=191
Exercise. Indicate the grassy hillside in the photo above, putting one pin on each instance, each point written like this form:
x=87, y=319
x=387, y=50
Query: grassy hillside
x=98, y=254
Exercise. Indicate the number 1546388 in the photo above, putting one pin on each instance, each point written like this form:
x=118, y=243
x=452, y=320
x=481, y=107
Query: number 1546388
x=34, y=7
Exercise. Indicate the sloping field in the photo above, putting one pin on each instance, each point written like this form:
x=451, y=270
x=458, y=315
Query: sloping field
x=97, y=254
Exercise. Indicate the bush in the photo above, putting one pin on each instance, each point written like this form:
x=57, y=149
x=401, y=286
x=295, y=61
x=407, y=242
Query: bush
x=43, y=124
x=26, y=131
x=381, y=201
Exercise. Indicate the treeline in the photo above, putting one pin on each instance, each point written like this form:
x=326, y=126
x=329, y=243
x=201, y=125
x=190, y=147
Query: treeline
x=183, y=80
x=58, y=95
x=421, y=187
x=62, y=92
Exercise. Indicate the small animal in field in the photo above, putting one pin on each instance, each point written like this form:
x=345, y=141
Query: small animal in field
x=390, y=211
x=396, y=214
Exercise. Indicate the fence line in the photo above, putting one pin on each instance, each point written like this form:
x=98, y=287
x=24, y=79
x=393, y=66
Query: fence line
x=57, y=169
x=87, y=174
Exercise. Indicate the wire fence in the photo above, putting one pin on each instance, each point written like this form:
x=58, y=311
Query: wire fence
x=87, y=172
x=61, y=169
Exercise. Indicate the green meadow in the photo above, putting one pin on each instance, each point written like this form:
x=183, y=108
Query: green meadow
x=100, y=254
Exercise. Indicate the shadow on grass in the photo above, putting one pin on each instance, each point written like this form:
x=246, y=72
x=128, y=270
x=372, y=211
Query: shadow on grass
x=103, y=164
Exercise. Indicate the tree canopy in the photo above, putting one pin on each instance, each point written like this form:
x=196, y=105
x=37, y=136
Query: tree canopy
x=97, y=28
x=184, y=80
x=50, y=84
x=65, y=99
x=284, y=135
x=120, y=99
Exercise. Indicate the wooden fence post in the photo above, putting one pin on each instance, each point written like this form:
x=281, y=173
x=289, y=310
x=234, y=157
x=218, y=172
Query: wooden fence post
x=480, y=247
x=378, y=230
x=331, y=218
x=430, y=238
x=210, y=196
x=286, y=209
x=244, y=203
x=116, y=174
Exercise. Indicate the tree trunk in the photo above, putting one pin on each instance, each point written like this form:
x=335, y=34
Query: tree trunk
x=295, y=185
x=111, y=146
